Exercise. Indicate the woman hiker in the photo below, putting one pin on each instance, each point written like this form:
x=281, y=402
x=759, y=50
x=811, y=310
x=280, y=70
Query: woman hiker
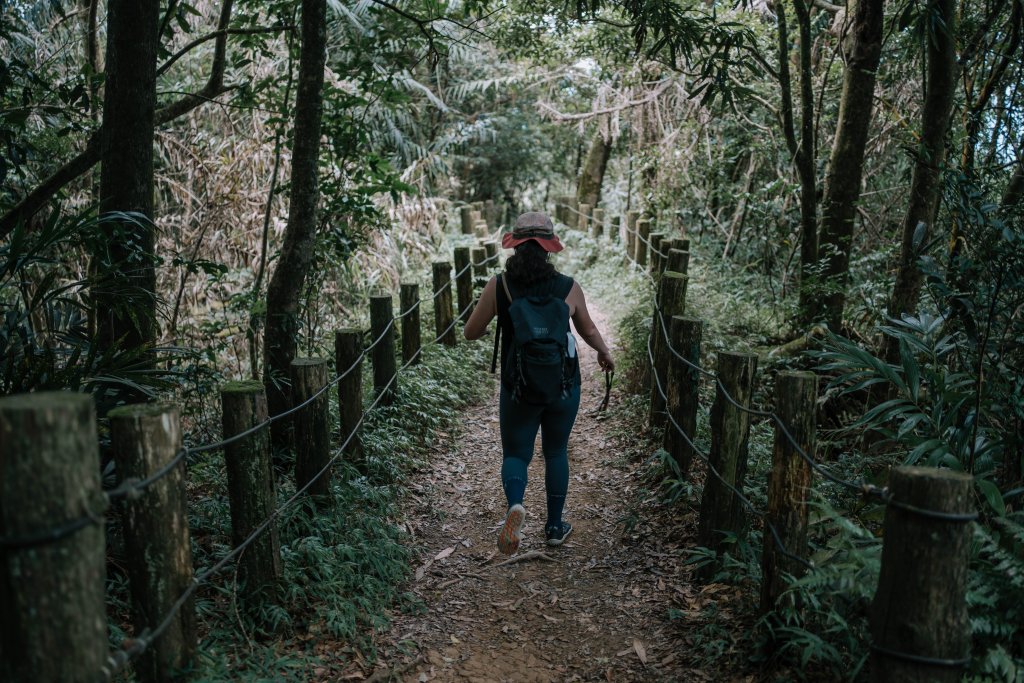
x=539, y=290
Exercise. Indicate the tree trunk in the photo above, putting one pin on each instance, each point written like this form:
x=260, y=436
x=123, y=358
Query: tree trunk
x=843, y=181
x=296, y=257
x=805, y=161
x=802, y=151
x=926, y=183
x=592, y=175
x=125, y=293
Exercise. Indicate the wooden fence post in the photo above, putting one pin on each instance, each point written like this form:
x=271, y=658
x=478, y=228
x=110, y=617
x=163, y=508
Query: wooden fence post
x=479, y=262
x=463, y=281
x=443, y=316
x=597, y=223
x=632, y=217
x=678, y=260
x=409, y=299
x=491, y=249
x=643, y=230
x=671, y=302
x=466, y=219
x=796, y=394
x=54, y=624
x=574, y=212
x=683, y=390
x=312, y=426
x=146, y=438
x=348, y=354
x=916, y=613
x=584, y=220
x=382, y=330
x=615, y=229
x=250, y=484
x=721, y=510
x=657, y=260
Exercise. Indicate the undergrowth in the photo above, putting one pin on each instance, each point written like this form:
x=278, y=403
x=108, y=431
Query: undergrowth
x=827, y=637
x=342, y=564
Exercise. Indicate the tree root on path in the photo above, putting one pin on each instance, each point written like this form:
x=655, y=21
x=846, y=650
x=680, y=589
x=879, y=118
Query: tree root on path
x=532, y=555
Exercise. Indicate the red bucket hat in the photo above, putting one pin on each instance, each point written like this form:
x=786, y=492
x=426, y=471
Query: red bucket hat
x=535, y=226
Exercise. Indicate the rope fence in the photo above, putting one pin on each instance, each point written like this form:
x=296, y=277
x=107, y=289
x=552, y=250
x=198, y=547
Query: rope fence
x=133, y=488
x=929, y=509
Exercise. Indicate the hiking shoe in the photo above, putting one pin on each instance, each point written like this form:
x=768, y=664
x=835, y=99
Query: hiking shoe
x=557, y=534
x=510, y=536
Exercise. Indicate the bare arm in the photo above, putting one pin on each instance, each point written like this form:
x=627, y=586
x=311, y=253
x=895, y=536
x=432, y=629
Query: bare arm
x=587, y=329
x=486, y=308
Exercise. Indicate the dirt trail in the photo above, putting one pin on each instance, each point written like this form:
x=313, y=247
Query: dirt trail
x=594, y=609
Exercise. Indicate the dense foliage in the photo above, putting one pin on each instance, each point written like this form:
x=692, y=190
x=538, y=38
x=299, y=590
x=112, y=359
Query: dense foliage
x=721, y=121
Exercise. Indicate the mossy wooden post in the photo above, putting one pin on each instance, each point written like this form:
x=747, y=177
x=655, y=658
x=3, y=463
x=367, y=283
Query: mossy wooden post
x=631, y=220
x=721, y=510
x=250, y=484
x=584, y=218
x=573, y=209
x=491, y=249
x=466, y=219
x=597, y=223
x=479, y=255
x=463, y=281
x=683, y=390
x=643, y=233
x=409, y=299
x=145, y=438
x=923, y=613
x=382, y=331
x=789, y=485
x=443, y=316
x=348, y=358
x=490, y=214
x=54, y=624
x=615, y=229
x=312, y=427
x=657, y=260
x=678, y=260
x=671, y=301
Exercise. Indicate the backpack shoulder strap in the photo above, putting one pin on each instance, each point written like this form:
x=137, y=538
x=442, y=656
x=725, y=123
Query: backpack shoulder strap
x=504, y=285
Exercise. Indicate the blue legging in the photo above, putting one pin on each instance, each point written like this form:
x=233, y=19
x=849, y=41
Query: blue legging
x=519, y=423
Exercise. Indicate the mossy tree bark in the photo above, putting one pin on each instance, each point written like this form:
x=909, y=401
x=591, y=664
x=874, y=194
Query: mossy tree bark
x=592, y=174
x=803, y=150
x=123, y=261
x=296, y=258
x=843, y=180
x=926, y=182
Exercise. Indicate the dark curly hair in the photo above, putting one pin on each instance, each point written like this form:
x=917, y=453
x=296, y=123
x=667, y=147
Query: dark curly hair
x=529, y=265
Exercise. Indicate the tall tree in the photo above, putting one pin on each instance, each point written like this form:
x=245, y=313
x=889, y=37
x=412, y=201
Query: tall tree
x=588, y=190
x=293, y=264
x=926, y=183
x=803, y=150
x=123, y=260
x=862, y=52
